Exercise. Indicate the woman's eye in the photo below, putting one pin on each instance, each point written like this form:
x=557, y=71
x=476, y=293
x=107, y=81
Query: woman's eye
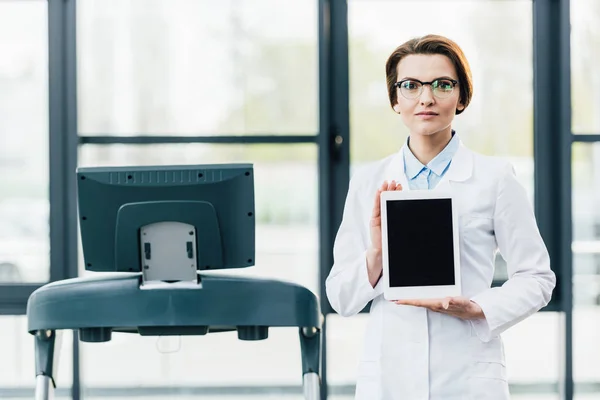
x=443, y=85
x=410, y=85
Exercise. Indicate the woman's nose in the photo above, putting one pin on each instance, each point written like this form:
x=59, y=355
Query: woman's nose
x=427, y=95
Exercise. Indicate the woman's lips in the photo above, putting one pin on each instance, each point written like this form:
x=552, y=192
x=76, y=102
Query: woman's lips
x=427, y=115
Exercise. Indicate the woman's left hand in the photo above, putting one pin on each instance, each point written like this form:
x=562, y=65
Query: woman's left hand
x=460, y=307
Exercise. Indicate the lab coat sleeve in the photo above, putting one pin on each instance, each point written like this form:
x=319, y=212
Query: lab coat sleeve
x=531, y=281
x=347, y=286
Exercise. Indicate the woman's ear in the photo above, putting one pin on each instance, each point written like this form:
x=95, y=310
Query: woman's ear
x=460, y=107
x=396, y=108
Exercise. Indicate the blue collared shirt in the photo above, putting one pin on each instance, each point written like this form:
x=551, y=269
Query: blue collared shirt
x=424, y=177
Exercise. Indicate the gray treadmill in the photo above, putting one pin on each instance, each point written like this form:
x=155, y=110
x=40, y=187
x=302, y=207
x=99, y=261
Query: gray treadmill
x=150, y=230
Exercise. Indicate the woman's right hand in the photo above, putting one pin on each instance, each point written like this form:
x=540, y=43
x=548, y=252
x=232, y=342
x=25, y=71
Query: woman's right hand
x=374, y=262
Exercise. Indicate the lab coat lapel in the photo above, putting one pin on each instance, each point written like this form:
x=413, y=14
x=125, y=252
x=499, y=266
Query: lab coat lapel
x=395, y=170
x=460, y=169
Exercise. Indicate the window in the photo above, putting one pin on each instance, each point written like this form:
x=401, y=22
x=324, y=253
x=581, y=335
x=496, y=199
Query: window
x=197, y=67
x=586, y=264
x=585, y=176
x=24, y=207
x=585, y=56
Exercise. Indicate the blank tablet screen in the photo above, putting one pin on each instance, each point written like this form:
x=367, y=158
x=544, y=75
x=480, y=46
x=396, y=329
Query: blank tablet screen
x=420, y=242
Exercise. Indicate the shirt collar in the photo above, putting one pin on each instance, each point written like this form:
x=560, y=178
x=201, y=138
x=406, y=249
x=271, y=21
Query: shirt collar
x=412, y=166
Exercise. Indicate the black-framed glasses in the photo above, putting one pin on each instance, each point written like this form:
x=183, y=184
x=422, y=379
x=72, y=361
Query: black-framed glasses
x=441, y=88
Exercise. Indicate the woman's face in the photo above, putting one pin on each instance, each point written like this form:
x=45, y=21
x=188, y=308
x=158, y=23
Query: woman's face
x=427, y=114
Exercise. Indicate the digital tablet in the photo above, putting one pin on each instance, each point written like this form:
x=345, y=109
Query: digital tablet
x=420, y=249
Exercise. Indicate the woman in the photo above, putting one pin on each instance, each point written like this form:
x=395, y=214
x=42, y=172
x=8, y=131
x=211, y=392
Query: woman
x=445, y=349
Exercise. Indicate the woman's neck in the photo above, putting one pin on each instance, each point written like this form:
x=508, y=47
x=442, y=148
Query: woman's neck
x=425, y=148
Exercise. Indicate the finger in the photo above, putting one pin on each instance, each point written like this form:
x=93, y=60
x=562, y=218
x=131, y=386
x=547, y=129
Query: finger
x=454, y=314
x=446, y=303
x=455, y=309
x=459, y=301
x=438, y=305
x=398, y=186
x=439, y=308
x=415, y=304
x=377, y=200
x=375, y=221
x=377, y=204
x=408, y=302
x=435, y=307
x=458, y=309
x=418, y=303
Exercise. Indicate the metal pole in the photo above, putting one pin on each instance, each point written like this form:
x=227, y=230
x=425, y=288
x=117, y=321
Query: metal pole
x=43, y=388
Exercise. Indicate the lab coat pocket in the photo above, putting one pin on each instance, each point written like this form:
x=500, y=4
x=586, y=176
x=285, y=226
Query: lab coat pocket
x=368, y=385
x=488, y=381
x=489, y=370
x=488, y=378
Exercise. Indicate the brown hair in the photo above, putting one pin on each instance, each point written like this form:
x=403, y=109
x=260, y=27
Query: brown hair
x=431, y=44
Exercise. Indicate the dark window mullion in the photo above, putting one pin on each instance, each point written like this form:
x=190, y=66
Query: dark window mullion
x=333, y=141
x=254, y=139
x=586, y=138
x=552, y=157
x=13, y=297
x=62, y=77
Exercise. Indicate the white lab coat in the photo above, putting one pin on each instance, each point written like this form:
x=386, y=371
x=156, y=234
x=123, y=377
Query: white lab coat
x=411, y=353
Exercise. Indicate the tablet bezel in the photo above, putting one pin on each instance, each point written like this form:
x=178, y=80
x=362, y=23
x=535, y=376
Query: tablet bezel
x=419, y=292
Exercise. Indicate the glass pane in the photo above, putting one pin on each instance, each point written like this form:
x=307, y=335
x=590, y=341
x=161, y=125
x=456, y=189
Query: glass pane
x=585, y=57
x=24, y=222
x=17, y=363
x=287, y=249
x=533, y=354
x=197, y=67
x=586, y=264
